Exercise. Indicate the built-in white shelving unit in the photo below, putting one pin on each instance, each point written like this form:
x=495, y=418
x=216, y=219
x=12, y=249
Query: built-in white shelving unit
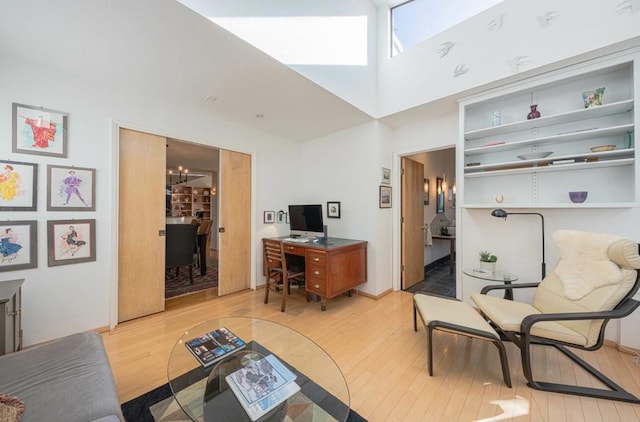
x=494, y=158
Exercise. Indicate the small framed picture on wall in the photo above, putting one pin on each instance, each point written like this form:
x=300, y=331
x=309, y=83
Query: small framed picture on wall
x=385, y=196
x=18, y=245
x=333, y=209
x=70, y=188
x=18, y=186
x=269, y=217
x=39, y=131
x=71, y=241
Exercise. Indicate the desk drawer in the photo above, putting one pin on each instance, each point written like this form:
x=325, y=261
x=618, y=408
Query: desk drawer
x=315, y=285
x=293, y=249
x=316, y=258
x=317, y=272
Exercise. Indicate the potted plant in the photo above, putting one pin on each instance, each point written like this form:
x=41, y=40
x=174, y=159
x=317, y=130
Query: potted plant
x=487, y=261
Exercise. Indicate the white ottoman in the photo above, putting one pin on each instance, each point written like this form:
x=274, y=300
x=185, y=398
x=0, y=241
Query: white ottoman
x=448, y=314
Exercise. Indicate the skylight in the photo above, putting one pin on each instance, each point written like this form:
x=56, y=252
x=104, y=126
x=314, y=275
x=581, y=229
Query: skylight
x=418, y=20
x=304, y=40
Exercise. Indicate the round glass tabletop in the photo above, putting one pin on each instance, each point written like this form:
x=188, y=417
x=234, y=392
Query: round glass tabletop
x=203, y=392
x=491, y=276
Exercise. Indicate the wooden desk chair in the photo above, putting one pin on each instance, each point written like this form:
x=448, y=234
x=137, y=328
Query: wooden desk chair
x=204, y=230
x=278, y=272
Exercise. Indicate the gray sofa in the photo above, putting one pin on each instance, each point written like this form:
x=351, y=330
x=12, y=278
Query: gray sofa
x=65, y=380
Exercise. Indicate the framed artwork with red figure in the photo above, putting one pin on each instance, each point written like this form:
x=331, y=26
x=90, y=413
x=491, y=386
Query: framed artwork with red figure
x=39, y=131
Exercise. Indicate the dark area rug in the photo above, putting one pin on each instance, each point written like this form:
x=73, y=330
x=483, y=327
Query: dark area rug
x=180, y=285
x=138, y=409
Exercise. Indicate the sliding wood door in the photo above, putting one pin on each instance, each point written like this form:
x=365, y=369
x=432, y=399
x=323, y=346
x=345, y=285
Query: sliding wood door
x=235, y=222
x=141, y=215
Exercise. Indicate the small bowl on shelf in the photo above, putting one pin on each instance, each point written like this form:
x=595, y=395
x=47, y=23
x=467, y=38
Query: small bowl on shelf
x=602, y=148
x=578, y=197
x=535, y=155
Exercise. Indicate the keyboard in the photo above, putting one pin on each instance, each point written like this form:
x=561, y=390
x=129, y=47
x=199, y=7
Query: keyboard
x=297, y=239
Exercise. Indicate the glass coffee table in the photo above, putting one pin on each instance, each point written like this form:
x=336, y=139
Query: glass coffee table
x=204, y=395
x=498, y=276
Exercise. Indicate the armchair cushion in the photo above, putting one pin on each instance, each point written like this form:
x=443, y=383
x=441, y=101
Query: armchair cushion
x=508, y=316
x=584, y=262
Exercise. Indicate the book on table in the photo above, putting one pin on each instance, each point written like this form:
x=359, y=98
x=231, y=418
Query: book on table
x=215, y=345
x=262, y=385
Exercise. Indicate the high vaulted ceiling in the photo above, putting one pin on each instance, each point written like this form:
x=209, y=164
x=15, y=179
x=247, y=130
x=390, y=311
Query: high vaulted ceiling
x=162, y=49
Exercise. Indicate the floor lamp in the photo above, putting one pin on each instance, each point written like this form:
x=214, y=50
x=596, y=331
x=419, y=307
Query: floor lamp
x=500, y=213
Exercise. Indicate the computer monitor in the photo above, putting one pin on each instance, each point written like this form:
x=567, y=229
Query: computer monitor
x=306, y=220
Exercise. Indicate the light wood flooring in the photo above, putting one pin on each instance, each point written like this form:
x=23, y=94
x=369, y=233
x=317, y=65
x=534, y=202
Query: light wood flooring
x=382, y=358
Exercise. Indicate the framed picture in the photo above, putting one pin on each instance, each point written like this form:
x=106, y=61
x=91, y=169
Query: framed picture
x=269, y=217
x=439, y=196
x=18, y=245
x=385, y=196
x=282, y=217
x=70, y=188
x=18, y=186
x=40, y=131
x=386, y=176
x=71, y=241
x=333, y=209
x=425, y=196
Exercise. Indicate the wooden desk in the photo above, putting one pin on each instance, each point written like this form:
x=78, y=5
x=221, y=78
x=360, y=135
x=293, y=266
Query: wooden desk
x=452, y=249
x=331, y=269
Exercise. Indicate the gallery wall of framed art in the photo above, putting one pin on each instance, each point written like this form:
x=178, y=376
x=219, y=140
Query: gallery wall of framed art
x=43, y=134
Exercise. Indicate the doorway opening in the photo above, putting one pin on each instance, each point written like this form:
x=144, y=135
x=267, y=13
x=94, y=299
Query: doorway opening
x=431, y=257
x=192, y=192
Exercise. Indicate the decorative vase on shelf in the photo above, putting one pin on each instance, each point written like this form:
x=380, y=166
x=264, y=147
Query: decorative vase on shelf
x=534, y=113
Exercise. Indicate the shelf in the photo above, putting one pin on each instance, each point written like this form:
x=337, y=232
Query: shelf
x=554, y=139
x=553, y=205
x=553, y=167
x=607, y=156
x=571, y=116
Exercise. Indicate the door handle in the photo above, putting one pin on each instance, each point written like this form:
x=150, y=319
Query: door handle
x=221, y=230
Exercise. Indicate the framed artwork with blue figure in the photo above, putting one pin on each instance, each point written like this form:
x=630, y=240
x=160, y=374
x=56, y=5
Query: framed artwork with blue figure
x=71, y=188
x=18, y=245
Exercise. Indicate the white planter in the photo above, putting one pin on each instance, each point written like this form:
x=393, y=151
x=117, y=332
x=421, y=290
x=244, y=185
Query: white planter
x=488, y=266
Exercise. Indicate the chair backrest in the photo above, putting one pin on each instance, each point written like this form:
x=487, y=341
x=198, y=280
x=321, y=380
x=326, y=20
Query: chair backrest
x=180, y=243
x=595, y=272
x=205, y=227
x=272, y=254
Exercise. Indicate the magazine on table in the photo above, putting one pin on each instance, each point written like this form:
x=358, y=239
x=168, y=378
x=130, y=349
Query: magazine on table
x=215, y=345
x=262, y=385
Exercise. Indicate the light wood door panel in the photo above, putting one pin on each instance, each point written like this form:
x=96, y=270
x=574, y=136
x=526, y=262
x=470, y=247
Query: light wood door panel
x=235, y=217
x=412, y=222
x=141, y=214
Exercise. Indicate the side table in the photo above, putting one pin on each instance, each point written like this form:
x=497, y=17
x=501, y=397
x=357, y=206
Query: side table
x=498, y=276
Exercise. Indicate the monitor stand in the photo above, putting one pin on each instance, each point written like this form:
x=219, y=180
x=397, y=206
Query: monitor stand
x=294, y=236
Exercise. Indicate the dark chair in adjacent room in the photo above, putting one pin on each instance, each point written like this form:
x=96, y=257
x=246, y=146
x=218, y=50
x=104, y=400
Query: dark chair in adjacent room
x=593, y=282
x=180, y=244
x=279, y=274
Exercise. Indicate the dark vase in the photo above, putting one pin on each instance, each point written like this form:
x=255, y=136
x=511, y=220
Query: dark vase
x=534, y=113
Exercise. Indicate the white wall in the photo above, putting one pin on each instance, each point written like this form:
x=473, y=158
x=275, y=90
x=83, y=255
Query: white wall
x=346, y=167
x=420, y=75
x=71, y=298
